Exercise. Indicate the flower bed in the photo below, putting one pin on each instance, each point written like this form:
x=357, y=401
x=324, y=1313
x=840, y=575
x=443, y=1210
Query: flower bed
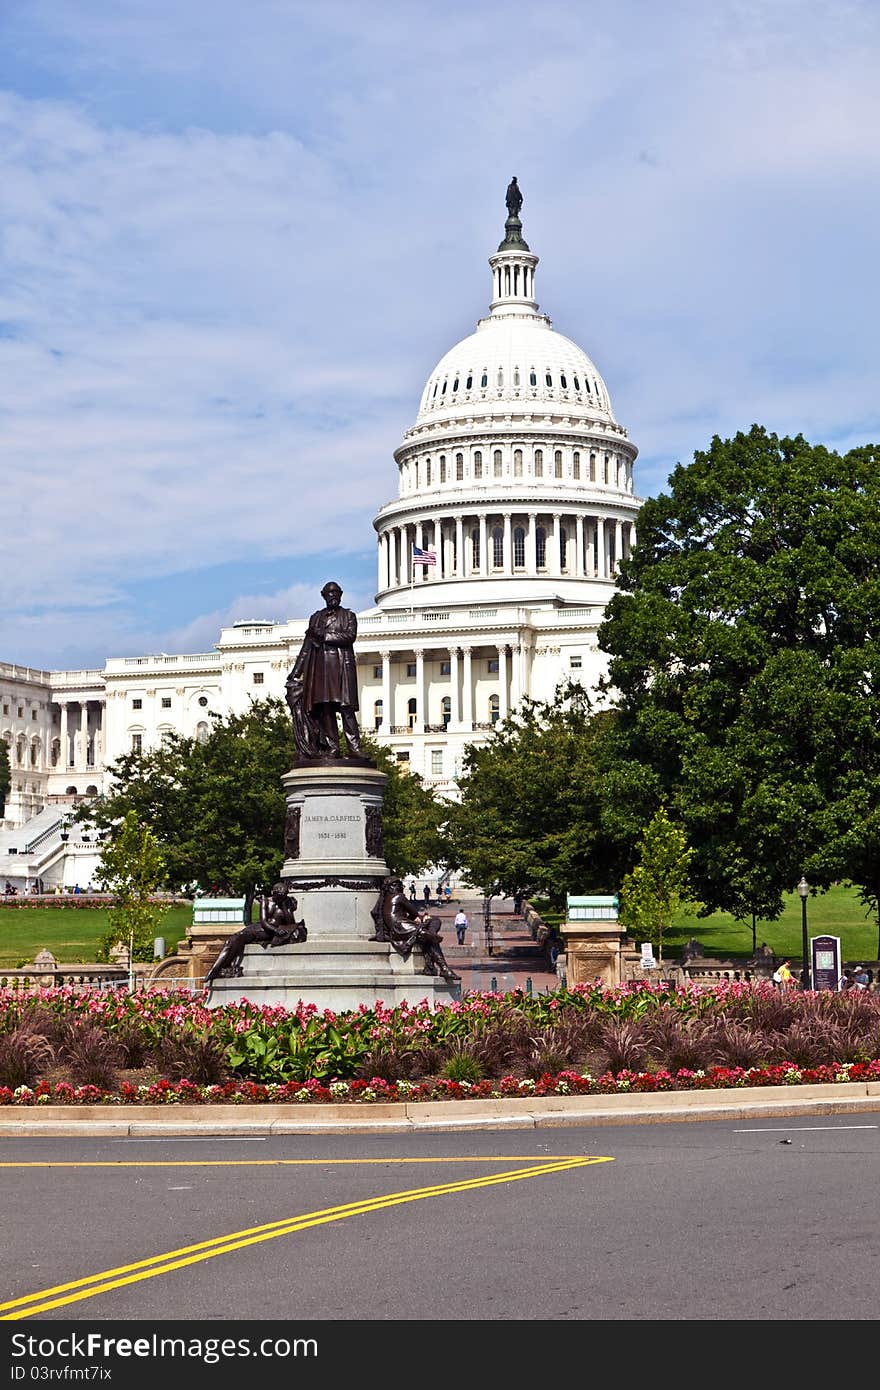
x=566, y=1083
x=64, y=1046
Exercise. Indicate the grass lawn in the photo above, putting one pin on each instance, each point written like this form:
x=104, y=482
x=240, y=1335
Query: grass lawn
x=835, y=913
x=70, y=933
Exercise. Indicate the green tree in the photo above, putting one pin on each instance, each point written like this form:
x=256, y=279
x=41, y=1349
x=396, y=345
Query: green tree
x=540, y=810
x=5, y=774
x=132, y=868
x=658, y=886
x=743, y=663
x=217, y=806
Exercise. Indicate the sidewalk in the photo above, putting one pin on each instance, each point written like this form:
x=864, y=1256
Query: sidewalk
x=516, y=960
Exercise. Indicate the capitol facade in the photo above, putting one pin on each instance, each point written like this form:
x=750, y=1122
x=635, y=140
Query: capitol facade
x=515, y=504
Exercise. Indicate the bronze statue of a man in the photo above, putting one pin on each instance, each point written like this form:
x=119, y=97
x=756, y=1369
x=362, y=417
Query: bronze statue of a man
x=323, y=682
x=513, y=198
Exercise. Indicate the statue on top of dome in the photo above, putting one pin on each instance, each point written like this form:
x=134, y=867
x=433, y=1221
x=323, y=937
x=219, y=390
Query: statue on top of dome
x=513, y=198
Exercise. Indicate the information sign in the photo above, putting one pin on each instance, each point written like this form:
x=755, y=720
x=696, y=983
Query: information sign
x=825, y=960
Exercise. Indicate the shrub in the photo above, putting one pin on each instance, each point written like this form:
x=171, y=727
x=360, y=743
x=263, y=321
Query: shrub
x=91, y=1055
x=193, y=1057
x=623, y=1045
x=24, y=1058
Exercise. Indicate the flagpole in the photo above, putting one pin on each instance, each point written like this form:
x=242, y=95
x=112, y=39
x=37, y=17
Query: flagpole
x=412, y=580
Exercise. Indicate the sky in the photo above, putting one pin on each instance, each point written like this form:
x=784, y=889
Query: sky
x=236, y=238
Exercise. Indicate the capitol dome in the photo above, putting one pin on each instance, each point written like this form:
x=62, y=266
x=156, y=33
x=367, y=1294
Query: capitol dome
x=515, y=469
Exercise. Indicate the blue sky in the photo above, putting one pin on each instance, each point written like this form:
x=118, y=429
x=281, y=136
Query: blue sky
x=235, y=239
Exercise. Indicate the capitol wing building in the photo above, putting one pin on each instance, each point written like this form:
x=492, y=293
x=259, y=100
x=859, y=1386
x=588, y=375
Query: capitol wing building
x=514, y=506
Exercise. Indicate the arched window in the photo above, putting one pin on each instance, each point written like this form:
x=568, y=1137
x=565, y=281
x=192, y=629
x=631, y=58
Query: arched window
x=607, y=468
x=548, y=380
x=587, y=383
x=443, y=468
x=459, y=467
x=496, y=463
x=494, y=708
x=475, y=549
x=202, y=732
x=411, y=713
x=377, y=715
x=540, y=547
x=427, y=472
x=517, y=463
x=539, y=463
x=516, y=376
x=519, y=547
x=71, y=791
x=415, y=469
x=446, y=709
x=484, y=379
x=576, y=464
x=434, y=392
x=35, y=751
x=497, y=547
x=478, y=464
x=577, y=385
x=500, y=377
x=455, y=384
x=470, y=381
x=563, y=381
x=592, y=468
x=443, y=389
x=533, y=377
x=557, y=463
x=563, y=547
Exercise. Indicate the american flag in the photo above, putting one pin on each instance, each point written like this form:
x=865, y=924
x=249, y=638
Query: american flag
x=423, y=557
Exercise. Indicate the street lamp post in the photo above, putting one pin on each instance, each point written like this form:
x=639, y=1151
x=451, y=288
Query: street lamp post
x=803, y=890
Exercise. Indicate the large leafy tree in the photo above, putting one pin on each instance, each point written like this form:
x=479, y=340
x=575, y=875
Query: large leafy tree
x=217, y=807
x=540, y=810
x=743, y=646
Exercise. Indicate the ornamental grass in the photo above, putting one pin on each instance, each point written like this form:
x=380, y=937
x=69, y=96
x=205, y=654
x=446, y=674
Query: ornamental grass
x=155, y=1047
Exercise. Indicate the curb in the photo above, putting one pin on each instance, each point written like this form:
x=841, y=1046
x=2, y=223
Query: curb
x=248, y=1121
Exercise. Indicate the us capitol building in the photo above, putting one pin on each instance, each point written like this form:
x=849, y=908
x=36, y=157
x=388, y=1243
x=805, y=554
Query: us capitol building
x=515, y=479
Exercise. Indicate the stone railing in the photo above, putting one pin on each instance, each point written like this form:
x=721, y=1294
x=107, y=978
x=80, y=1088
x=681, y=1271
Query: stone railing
x=33, y=977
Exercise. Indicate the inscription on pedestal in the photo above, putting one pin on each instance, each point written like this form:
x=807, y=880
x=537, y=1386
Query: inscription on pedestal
x=331, y=832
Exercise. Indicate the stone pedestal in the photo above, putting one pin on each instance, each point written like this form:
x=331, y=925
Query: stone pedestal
x=334, y=866
x=595, y=944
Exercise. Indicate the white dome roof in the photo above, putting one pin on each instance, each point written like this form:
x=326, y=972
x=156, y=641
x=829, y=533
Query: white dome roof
x=514, y=358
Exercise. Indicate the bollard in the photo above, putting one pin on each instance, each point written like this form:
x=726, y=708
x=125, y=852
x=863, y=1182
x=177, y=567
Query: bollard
x=493, y=984
x=528, y=984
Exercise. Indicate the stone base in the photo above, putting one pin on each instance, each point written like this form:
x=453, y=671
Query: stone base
x=351, y=973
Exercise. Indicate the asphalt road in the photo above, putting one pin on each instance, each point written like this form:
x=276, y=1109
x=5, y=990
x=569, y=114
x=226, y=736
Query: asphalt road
x=723, y=1220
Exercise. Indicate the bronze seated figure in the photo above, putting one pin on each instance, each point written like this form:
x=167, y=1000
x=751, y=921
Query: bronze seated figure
x=401, y=923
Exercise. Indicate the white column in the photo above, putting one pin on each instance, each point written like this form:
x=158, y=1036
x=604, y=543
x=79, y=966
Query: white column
x=632, y=536
x=468, y=689
x=455, y=693
x=516, y=675
x=484, y=553
x=503, y=707
x=83, y=760
x=531, y=547
x=459, y=547
x=601, y=557
x=618, y=544
x=387, y=712
x=555, y=567
x=581, y=565
x=421, y=693
x=508, y=548
x=64, y=756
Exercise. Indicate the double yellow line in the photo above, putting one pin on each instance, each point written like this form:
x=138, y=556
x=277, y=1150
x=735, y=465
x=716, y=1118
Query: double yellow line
x=79, y=1289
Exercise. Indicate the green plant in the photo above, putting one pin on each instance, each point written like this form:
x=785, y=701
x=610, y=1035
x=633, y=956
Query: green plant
x=24, y=1058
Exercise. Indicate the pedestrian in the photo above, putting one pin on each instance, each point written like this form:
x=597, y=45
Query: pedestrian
x=860, y=978
x=461, y=925
x=412, y=891
x=447, y=892
x=426, y=894
x=517, y=904
x=783, y=976
x=846, y=979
